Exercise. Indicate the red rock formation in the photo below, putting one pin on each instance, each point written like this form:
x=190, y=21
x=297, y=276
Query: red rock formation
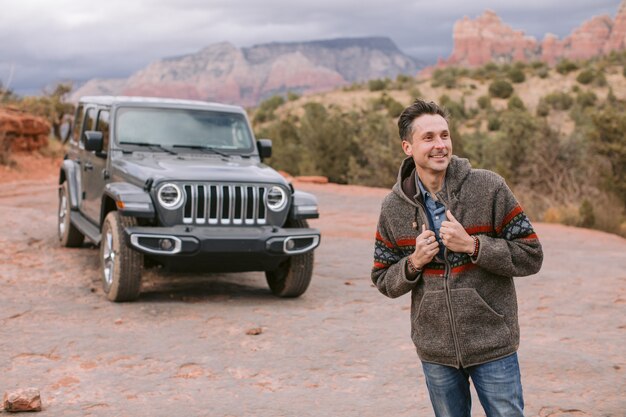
x=486, y=39
x=20, y=131
x=617, y=40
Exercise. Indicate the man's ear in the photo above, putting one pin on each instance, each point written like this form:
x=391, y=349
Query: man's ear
x=407, y=148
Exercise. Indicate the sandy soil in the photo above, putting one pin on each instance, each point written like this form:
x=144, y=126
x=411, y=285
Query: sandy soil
x=340, y=350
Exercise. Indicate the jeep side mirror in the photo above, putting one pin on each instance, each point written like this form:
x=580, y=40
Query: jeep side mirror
x=92, y=140
x=265, y=148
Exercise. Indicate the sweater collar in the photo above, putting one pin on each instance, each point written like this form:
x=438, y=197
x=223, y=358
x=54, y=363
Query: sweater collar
x=406, y=186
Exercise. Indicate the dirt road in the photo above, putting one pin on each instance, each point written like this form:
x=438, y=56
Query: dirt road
x=340, y=350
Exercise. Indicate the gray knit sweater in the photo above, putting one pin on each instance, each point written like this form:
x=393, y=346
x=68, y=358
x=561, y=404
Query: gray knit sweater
x=463, y=311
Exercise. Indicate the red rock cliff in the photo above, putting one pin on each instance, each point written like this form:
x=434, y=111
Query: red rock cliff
x=487, y=39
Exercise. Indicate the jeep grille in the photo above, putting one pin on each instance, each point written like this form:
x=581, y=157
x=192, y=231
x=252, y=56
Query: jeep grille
x=224, y=204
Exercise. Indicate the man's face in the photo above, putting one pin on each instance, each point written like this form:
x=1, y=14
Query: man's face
x=431, y=146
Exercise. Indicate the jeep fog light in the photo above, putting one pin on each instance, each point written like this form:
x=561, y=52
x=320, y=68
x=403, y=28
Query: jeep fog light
x=276, y=199
x=170, y=196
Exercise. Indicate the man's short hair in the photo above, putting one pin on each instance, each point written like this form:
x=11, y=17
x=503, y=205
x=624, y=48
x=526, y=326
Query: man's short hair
x=415, y=110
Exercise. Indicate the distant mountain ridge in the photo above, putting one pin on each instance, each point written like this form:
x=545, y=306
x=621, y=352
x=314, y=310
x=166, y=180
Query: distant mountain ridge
x=222, y=72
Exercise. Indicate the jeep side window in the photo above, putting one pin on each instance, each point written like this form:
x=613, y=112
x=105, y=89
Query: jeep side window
x=102, y=125
x=90, y=124
x=78, y=124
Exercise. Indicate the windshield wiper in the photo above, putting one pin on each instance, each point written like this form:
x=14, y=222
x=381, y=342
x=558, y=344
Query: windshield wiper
x=151, y=145
x=210, y=149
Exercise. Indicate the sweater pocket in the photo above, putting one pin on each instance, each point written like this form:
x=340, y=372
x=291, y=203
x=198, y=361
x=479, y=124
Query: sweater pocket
x=480, y=329
x=431, y=328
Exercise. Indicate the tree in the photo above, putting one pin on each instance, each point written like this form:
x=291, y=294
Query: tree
x=608, y=141
x=52, y=105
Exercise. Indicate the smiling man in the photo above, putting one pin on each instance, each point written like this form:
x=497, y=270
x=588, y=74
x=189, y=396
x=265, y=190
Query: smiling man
x=455, y=237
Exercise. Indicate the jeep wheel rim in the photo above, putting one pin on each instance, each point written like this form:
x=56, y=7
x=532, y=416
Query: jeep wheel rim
x=108, y=258
x=62, y=213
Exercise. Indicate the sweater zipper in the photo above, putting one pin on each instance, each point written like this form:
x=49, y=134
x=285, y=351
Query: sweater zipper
x=446, y=280
x=457, y=348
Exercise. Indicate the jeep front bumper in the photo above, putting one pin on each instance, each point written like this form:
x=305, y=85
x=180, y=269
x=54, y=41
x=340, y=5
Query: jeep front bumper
x=211, y=243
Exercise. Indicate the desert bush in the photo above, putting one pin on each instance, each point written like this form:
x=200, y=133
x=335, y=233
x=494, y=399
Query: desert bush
x=559, y=100
x=446, y=77
x=291, y=96
x=585, y=76
x=516, y=103
x=484, y=102
x=608, y=141
x=52, y=105
x=516, y=75
x=543, y=108
x=566, y=66
x=455, y=108
x=542, y=72
x=414, y=93
x=500, y=89
x=493, y=122
x=393, y=107
x=586, y=99
x=378, y=84
x=287, y=151
x=600, y=80
x=265, y=111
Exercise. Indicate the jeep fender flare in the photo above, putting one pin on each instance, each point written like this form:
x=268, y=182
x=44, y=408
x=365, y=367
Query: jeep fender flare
x=128, y=199
x=70, y=172
x=303, y=206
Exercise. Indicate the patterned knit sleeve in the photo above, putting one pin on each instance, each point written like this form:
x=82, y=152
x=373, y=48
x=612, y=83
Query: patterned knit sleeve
x=515, y=249
x=389, y=270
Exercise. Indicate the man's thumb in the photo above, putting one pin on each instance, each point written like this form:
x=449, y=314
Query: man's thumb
x=450, y=216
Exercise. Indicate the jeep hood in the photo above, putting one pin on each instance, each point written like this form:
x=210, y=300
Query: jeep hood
x=194, y=168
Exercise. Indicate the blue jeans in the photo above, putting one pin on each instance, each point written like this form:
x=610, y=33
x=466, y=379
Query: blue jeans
x=498, y=385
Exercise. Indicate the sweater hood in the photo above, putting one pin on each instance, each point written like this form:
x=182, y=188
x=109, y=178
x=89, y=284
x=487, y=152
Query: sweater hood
x=456, y=173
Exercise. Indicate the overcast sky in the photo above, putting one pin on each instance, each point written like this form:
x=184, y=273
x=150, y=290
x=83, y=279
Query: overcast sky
x=43, y=41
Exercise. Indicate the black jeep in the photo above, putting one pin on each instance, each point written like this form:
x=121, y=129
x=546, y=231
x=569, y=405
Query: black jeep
x=180, y=183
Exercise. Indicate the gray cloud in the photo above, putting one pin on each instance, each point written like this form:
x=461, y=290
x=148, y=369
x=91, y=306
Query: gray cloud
x=45, y=42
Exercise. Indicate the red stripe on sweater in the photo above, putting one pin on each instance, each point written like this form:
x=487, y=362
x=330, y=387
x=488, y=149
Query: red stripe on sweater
x=479, y=229
x=517, y=210
x=378, y=265
x=455, y=270
x=385, y=242
x=409, y=241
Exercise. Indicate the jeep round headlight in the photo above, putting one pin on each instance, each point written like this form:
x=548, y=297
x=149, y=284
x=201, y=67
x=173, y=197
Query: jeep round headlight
x=170, y=196
x=276, y=198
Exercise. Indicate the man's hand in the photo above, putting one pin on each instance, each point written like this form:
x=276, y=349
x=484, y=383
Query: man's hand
x=454, y=236
x=426, y=247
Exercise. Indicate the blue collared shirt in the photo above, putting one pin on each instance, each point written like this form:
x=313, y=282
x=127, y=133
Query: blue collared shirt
x=436, y=213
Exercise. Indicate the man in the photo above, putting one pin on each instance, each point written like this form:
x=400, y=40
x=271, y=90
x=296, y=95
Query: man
x=455, y=237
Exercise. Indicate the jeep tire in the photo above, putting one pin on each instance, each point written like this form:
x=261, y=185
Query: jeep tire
x=293, y=276
x=69, y=235
x=120, y=266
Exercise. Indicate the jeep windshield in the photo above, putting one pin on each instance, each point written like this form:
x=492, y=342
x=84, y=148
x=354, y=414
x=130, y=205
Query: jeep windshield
x=183, y=128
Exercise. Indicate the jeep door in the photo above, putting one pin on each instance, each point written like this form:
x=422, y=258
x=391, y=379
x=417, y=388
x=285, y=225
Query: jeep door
x=95, y=174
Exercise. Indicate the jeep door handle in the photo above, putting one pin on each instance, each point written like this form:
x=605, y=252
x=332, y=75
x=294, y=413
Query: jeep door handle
x=88, y=166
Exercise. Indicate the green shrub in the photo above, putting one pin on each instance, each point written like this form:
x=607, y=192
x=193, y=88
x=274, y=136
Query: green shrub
x=455, y=108
x=543, y=108
x=517, y=75
x=493, y=122
x=500, y=89
x=559, y=100
x=566, y=66
x=516, y=103
x=265, y=111
x=585, y=77
x=600, y=80
x=377, y=85
x=586, y=99
x=291, y=96
x=624, y=71
x=587, y=217
x=445, y=77
x=484, y=102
